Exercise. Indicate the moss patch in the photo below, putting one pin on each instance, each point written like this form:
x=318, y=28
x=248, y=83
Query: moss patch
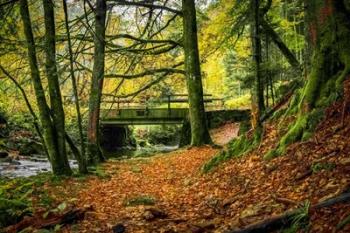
x=141, y=200
x=236, y=148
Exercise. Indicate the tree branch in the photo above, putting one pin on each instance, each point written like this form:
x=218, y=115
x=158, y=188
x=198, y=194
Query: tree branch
x=146, y=4
x=280, y=44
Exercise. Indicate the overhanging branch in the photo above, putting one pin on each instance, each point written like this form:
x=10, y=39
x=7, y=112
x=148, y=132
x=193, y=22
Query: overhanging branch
x=146, y=4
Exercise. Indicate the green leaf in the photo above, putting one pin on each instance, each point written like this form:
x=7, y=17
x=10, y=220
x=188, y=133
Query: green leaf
x=61, y=207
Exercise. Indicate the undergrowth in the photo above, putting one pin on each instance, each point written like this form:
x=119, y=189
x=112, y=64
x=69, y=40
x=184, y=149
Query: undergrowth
x=16, y=196
x=300, y=220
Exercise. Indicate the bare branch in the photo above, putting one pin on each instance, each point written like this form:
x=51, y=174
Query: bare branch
x=146, y=4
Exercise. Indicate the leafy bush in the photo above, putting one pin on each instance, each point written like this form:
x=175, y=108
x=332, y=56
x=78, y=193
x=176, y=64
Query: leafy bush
x=241, y=102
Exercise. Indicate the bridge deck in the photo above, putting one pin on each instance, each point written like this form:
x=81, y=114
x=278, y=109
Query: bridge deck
x=143, y=116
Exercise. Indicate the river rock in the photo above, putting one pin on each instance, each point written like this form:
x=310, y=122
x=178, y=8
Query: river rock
x=3, y=154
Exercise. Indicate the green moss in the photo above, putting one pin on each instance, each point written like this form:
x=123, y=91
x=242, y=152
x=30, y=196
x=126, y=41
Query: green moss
x=306, y=136
x=279, y=113
x=99, y=171
x=296, y=132
x=343, y=76
x=236, y=148
x=271, y=154
x=317, y=167
x=141, y=200
x=314, y=118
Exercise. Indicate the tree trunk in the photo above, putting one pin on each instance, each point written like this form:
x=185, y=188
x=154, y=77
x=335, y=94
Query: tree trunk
x=258, y=94
x=93, y=134
x=59, y=164
x=199, y=127
x=329, y=32
x=80, y=156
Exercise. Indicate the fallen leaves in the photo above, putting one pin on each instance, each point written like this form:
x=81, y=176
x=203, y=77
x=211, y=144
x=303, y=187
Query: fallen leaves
x=238, y=193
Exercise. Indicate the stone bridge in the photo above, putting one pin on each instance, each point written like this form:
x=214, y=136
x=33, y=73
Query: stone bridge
x=115, y=121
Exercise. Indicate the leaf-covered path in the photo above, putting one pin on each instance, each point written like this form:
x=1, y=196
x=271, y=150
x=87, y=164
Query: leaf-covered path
x=238, y=193
x=171, y=180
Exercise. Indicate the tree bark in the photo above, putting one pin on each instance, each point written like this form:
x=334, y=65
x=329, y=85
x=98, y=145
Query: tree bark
x=199, y=126
x=80, y=156
x=93, y=134
x=59, y=165
x=258, y=94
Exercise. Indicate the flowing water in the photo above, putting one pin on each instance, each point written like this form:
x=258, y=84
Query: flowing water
x=27, y=167
x=34, y=165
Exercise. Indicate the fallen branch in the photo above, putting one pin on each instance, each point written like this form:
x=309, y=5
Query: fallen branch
x=285, y=201
x=278, y=221
x=68, y=217
x=303, y=175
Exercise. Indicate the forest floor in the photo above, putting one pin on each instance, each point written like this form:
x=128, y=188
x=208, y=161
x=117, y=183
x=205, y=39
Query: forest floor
x=170, y=193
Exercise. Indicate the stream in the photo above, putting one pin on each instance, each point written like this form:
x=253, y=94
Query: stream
x=29, y=166
x=33, y=165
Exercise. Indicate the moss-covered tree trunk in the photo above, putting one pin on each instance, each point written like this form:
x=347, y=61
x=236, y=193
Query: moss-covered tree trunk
x=199, y=128
x=258, y=94
x=60, y=163
x=94, y=149
x=329, y=33
x=54, y=144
